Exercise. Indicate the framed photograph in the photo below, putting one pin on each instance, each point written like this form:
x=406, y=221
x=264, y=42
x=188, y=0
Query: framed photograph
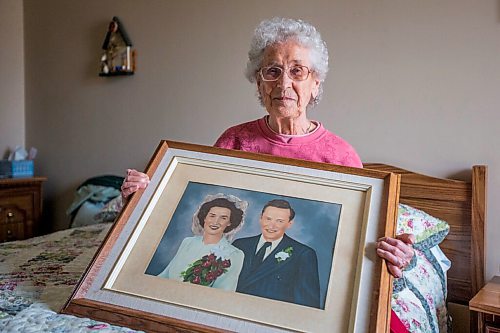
x=224, y=240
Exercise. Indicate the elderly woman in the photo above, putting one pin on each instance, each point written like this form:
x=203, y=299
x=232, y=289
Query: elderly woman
x=288, y=62
x=214, y=224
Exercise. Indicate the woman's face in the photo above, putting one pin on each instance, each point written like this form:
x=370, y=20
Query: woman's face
x=286, y=98
x=217, y=220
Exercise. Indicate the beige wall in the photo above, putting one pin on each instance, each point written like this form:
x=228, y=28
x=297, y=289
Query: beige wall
x=414, y=84
x=11, y=76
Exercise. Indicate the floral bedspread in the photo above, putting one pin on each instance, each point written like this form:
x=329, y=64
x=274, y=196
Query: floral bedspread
x=37, y=276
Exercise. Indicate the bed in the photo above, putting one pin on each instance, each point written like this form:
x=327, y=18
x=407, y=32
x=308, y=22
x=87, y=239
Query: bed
x=38, y=275
x=463, y=205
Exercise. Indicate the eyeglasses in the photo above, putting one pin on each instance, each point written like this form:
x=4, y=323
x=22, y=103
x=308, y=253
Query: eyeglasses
x=273, y=73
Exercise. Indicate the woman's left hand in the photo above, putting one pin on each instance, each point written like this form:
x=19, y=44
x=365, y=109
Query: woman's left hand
x=397, y=252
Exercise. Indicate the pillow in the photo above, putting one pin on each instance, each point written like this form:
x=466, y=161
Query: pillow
x=85, y=214
x=429, y=231
x=419, y=296
x=110, y=211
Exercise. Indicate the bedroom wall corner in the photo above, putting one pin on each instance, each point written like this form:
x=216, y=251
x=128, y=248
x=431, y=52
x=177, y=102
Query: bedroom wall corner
x=12, y=127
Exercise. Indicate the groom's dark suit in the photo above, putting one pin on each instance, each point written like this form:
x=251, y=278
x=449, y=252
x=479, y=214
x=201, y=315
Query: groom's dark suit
x=292, y=280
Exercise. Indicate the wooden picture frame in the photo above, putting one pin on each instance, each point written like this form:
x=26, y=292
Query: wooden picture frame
x=121, y=287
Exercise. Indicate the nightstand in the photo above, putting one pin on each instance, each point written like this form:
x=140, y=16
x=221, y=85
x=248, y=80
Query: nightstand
x=20, y=208
x=487, y=304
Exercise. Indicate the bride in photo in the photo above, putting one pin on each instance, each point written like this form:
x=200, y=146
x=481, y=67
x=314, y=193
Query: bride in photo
x=208, y=258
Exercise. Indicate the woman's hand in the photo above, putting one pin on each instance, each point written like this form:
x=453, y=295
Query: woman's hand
x=397, y=252
x=134, y=180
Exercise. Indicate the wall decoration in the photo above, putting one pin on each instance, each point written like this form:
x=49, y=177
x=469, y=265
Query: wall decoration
x=118, y=57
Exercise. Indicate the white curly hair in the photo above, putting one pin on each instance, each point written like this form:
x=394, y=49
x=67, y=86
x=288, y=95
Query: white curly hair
x=279, y=30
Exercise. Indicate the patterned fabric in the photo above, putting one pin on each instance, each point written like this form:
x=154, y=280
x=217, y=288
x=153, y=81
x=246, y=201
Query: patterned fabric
x=37, y=318
x=37, y=276
x=396, y=324
x=110, y=211
x=429, y=231
x=319, y=145
x=419, y=297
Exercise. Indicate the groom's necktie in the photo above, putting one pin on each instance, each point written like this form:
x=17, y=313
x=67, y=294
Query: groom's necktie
x=259, y=257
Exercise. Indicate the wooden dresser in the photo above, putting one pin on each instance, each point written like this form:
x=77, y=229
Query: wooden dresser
x=20, y=208
x=487, y=304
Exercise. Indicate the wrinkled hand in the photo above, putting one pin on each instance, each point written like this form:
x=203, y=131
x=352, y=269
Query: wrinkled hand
x=397, y=252
x=134, y=180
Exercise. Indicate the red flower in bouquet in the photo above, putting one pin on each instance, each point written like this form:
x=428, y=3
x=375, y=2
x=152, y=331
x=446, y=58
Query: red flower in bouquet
x=206, y=270
x=197, y=271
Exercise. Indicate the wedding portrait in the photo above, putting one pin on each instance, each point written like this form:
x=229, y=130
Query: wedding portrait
x=216, y=228
x=255, y=243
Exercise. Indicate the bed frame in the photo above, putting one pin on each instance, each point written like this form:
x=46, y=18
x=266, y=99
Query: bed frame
x=463, y=205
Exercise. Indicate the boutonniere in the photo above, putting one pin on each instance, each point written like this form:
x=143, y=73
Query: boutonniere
x=284, y=255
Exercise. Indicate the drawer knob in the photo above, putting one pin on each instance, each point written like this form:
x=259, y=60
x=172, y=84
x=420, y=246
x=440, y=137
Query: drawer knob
x=10, y=235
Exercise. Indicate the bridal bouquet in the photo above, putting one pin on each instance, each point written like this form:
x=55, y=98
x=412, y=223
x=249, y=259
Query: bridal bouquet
x=206, y=270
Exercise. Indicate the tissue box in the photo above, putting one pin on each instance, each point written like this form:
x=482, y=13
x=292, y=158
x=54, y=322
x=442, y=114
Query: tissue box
x=23, y=168
x=16, y=169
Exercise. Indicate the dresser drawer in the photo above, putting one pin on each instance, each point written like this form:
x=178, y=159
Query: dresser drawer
x=20, y=208
x=12, y=231
x=11, y=205
x=12, y=214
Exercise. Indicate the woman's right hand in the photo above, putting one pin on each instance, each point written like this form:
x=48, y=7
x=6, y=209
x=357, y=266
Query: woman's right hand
x=134, y=180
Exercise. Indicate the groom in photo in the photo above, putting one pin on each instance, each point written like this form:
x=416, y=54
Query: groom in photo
x=275, y=265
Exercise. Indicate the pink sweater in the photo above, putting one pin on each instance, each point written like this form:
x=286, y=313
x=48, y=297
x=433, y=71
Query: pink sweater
x=318, y=146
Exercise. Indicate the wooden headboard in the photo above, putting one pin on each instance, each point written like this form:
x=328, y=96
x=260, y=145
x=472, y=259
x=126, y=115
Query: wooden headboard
x=463, y=205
